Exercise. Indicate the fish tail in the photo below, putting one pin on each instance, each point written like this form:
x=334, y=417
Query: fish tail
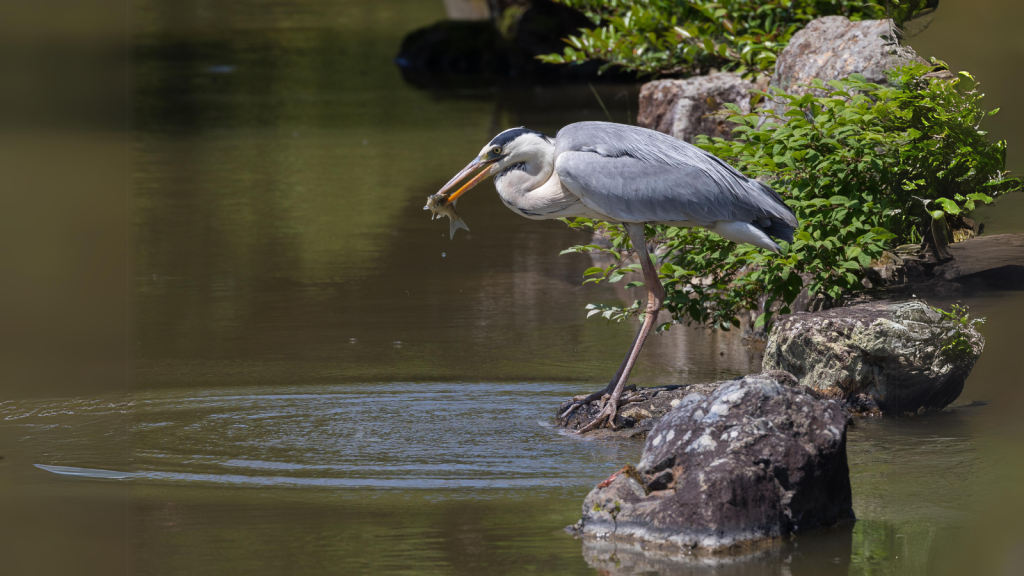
x=456, y=223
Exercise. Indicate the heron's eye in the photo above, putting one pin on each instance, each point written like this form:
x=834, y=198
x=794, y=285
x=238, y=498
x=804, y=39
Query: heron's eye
x=496, y=150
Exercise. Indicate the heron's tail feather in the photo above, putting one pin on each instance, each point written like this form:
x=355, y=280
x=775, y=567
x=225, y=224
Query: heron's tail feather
x=455, y=224
x=744, y=233
x=779, y=230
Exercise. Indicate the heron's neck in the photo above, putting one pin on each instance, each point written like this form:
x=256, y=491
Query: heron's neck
x=528, y=173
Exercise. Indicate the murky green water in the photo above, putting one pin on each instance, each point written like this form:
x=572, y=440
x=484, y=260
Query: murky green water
x=324, y=383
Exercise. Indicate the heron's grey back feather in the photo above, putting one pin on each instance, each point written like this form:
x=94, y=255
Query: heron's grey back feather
x=637, y=175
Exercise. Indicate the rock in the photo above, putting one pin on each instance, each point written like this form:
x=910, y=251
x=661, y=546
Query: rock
x=453, y=54
x=458, y=54
x=987, y=261
x=891, y=352
x=887, y=270
x=832, y=48
x=975, y=262
x=755, y=460
x=680, y=108
x=648, y=405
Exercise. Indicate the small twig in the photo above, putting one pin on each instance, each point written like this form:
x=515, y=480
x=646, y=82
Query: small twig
x=601, y=102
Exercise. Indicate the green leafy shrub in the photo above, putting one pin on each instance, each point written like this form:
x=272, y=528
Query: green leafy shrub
x=858, y=163
x=682, y=37
x=958, y=341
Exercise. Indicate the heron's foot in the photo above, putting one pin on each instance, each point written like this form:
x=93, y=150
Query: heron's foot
x=577, y=402
x=602, y=402
x=606, y=417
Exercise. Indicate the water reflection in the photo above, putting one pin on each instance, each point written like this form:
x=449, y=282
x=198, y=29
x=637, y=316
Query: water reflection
x=304, y=353
x=280, y=239
x=457, y=478
x=823, y=552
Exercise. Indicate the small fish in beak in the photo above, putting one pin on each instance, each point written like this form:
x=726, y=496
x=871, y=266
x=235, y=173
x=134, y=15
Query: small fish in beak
x=439, y=205
x=443, y=203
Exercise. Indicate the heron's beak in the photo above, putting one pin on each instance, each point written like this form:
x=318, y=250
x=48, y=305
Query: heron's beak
x=483, y=174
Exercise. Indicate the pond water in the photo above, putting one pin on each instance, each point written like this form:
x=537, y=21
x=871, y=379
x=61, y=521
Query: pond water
x=325, y=383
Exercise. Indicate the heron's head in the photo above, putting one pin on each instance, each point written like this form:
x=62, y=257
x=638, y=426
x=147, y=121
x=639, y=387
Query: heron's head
x=512, y=146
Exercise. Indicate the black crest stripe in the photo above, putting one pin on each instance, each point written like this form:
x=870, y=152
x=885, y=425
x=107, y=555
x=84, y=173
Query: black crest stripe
x=509, y=135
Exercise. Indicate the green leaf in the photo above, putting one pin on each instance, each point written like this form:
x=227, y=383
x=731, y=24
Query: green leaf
x=948, y=205
x=855, y=176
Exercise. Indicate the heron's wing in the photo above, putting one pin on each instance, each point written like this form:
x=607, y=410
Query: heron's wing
x=637, y=175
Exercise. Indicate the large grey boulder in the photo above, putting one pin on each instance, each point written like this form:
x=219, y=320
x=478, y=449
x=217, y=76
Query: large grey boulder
x=752, y=461
x=833, y=48
x=681, y=108
x=885, y=354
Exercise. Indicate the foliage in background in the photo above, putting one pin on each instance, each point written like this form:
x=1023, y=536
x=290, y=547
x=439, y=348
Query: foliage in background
x=905, y=11
x=683, y=37
x=860, y=164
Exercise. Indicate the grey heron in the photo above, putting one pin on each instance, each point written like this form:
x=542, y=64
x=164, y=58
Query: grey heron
x=628, y=175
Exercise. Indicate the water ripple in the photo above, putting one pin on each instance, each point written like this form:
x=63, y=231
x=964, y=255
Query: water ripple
x=396, y=435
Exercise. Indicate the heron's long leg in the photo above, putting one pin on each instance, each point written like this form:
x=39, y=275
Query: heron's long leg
x=655, y=298
x=607, y=389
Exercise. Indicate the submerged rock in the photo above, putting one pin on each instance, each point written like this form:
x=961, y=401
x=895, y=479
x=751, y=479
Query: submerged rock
x=684, y=108
x=754, y=460
x=896, y=355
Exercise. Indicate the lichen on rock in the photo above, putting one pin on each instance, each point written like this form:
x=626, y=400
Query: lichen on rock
x=889, y=354
x=755, y=460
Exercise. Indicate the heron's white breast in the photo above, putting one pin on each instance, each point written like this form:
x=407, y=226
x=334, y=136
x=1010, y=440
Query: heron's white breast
x=545, y=202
